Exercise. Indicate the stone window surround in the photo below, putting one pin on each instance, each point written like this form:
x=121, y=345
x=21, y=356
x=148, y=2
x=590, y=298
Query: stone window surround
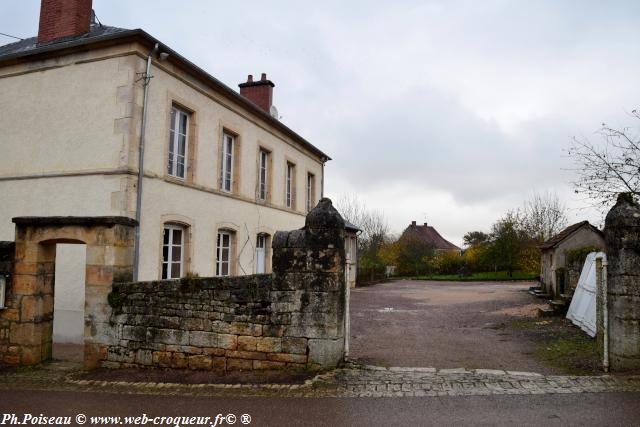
x=226, y=162
x=289, y=162
x=232, y=230
x=192, y=137
x=269, y=184
x=310, y=193
x=267, y=252
x=174, y=140
x=237, y=154
x=187, y=247
x=171, y=245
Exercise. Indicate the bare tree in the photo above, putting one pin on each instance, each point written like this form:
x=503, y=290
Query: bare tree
x=543, y=216
x=372, y=222
x=610, y=168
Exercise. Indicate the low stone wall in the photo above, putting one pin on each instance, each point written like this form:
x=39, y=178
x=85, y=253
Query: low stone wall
x=294, y=318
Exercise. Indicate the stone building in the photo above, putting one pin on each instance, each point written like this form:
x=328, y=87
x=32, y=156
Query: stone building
x=220, y=172
x=556, y=276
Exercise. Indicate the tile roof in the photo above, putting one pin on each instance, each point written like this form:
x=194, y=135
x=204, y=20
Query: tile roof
x=350, y=226
x=552, y=242
x=431, y=236
x=31, y=45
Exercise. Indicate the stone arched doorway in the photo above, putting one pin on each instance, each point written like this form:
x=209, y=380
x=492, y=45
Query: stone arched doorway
x=26, y=325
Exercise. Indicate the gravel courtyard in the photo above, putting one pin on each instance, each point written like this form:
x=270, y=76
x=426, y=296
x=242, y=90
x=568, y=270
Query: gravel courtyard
x=445, y=325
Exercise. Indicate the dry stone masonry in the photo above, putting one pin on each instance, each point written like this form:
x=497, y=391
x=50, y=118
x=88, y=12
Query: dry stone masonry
x=293, y=318
x=622, y=236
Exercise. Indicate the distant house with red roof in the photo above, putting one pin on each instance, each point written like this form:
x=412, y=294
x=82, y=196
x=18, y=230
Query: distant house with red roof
x=431, y=236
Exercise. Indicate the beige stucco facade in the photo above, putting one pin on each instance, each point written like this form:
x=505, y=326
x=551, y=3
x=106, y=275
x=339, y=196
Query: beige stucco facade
x=71, y=127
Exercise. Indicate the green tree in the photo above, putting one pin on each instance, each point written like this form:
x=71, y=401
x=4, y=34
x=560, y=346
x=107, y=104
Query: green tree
x=370, y=255
x=447, y=262
x=476, y=238
x=413, y=254
x=508, y=241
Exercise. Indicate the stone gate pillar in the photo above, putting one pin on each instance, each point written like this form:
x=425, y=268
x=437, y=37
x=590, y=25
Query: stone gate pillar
x=310, y=265
x=622, y=236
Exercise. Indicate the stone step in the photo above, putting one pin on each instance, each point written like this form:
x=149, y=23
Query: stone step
x=543, y=295
x=559, y=306
x=547, y=312
x=566, y=297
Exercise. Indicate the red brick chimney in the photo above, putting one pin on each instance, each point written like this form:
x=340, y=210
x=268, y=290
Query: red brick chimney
x=260, y=92
x=413, y=223
x=63, y=18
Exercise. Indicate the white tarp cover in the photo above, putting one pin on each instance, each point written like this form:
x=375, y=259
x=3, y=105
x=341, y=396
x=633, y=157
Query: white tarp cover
x=582, y=311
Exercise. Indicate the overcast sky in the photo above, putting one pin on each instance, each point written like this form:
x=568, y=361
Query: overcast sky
x=450, y=112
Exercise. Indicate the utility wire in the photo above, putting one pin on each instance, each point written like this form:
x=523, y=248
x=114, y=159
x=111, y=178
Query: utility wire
x=9, y=35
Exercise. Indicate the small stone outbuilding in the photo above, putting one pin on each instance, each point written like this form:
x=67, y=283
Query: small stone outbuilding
x=556, y=276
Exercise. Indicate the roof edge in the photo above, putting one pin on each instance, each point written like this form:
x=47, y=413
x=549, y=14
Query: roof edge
x=184, y=62
x=74, y=220
x=552, y=243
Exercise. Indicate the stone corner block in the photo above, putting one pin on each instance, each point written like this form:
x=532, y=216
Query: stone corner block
x=325, y=352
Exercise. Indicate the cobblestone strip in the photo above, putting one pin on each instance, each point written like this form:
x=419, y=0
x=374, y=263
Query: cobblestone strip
x=351, y=381
x=368, y=381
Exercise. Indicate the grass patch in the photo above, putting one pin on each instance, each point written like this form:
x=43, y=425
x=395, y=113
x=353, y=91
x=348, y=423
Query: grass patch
x=558, y=343
x=523, y=324
x=477, y=277
x=575, y=354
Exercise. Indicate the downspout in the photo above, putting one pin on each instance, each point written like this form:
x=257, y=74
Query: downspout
x=147, y=79
x=605, y=316
x=347, y=305
x=347, y=320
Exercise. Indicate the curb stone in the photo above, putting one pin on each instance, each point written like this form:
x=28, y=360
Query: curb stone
x=349, y=381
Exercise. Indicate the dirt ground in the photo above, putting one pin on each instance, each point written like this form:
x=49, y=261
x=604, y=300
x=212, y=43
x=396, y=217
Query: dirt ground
x=490, y=325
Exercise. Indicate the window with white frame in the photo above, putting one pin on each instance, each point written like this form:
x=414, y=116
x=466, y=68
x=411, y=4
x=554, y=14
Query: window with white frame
x=263, y=162
x=290, y=185
x=177, y=164
x=261, y=253
x=226, y=169
x=223, y=253
x=311, y=183
x=172, y=251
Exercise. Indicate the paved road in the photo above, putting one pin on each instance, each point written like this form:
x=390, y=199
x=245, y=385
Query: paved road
x=443, y=325
x=553, y=410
